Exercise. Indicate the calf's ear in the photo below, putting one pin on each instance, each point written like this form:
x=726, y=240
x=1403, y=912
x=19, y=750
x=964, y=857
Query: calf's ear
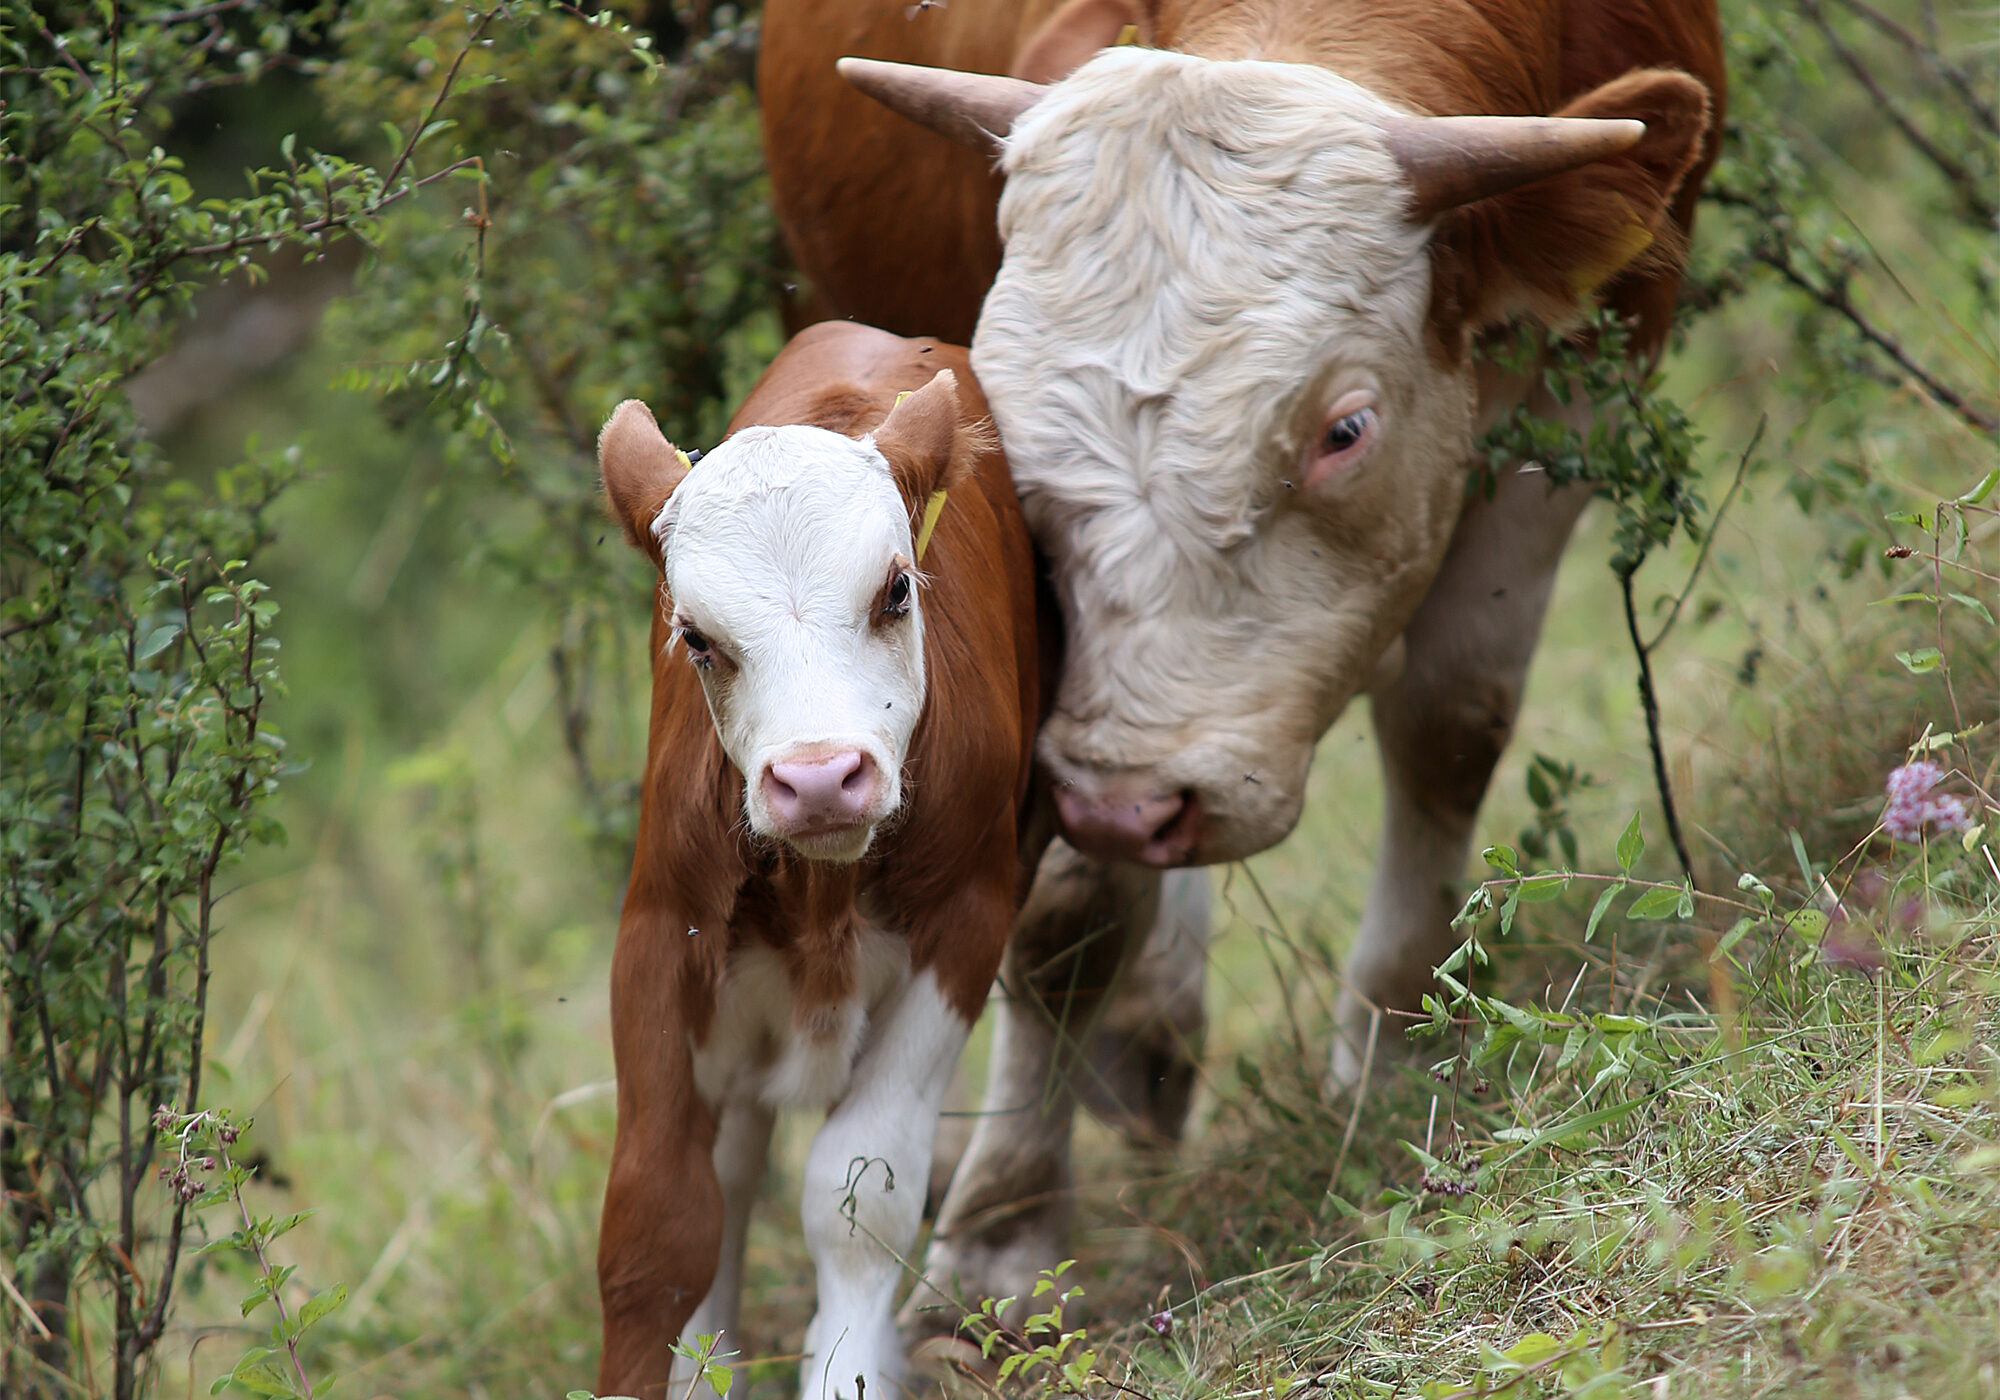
x=1072, y=36
x=927, y=448
x=641, y=469
x=1546, y=248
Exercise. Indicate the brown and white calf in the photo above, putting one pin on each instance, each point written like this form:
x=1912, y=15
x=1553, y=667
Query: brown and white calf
x=1227, y=304
x=826, y=868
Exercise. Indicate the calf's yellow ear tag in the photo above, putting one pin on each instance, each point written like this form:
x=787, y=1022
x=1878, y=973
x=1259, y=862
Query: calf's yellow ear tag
x=1128, y=35
x=687, y=463
x=933, y=508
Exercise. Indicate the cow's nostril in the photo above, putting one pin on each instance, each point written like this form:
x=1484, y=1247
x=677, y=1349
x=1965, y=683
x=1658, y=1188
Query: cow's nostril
x=861, y=779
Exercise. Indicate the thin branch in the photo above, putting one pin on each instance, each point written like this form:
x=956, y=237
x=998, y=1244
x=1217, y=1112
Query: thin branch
x=1954, y=171
x=1835, y=298
x=1649, y=699
x=1708, y=536
x=1927, y=53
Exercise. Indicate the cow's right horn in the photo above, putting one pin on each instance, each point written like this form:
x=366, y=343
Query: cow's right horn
x=976, y=108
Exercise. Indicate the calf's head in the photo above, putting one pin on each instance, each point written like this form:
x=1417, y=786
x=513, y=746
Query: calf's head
x=789, y=575
x=1227, y=352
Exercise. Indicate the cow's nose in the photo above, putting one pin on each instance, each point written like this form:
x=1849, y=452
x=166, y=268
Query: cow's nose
x=812, y=794
x=1152, y=829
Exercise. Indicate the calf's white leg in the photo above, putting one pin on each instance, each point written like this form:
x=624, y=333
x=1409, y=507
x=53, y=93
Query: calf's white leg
x=742, y=1146
x=1006, y=1214
x=864, y=1193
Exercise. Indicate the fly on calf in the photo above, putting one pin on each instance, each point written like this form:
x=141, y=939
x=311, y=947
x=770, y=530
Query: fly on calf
x=845, y=685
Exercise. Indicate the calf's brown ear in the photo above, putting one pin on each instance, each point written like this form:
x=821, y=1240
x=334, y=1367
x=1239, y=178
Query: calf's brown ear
x=641, y=469
x=927, y=448
x=1072, y=36
x=1544, y=249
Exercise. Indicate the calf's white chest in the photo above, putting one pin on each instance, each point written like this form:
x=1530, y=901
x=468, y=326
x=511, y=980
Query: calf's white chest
x=759, y=1048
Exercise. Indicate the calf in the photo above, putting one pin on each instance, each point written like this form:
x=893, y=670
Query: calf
x=845, y=684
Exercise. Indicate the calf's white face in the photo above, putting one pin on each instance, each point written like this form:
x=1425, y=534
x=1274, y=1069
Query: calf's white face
x=789, y=563
x=1205, y=353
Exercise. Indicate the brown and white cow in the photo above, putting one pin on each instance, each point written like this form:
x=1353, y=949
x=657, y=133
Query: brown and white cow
x=829, y=847
x=1240, y=272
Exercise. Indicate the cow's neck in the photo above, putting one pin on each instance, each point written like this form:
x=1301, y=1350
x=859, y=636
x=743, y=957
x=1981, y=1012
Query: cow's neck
x=1497, y=56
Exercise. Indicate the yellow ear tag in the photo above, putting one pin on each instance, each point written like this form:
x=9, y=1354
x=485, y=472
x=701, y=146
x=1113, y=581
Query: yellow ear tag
x=933, y=508
x=1128, y=35
x=686, y=465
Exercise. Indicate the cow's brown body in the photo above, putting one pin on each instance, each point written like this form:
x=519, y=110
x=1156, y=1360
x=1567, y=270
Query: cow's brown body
x=944, y=878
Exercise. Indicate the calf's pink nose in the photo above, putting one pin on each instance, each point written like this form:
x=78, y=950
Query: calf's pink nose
x=822, y=792
x=1156, y=829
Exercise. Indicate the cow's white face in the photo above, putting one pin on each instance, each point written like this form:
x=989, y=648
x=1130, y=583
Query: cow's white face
x=1205, y=354
x=788, y=565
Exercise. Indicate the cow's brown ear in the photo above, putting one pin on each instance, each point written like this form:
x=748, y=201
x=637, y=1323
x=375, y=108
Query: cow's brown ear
x=641, y=469
x=1544, y=249
x=1072, y=36
x=924, y=442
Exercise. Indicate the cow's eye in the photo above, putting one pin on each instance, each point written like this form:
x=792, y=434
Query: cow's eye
x=896, y=602
x=1346, y=431
x=699, y=649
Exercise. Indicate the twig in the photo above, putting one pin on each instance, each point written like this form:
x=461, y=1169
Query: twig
x=1708, y=537
x=1649, y=699
x=1954, y=171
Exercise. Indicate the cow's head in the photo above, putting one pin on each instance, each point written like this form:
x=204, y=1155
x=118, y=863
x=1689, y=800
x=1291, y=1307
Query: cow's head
x=789, y=576
x=1226, y=350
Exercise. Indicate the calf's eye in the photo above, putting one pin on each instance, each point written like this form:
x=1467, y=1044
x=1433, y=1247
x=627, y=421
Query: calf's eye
x=897, y=601
x=699, y=651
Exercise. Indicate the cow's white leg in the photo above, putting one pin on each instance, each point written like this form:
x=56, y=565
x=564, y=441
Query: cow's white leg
x=1006, y=1214
x=1440, y=728
x=1145, y=1046
x=864, y=1192
x=742, y=1146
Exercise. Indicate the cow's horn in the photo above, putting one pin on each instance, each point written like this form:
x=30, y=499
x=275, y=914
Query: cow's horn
x=1455, y=160
x=976, y=108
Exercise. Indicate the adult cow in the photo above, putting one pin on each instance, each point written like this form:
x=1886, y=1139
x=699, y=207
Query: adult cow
x=1240, y=272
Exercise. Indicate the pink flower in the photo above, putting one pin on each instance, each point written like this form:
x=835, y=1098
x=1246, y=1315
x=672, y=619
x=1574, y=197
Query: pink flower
x=1914, y=811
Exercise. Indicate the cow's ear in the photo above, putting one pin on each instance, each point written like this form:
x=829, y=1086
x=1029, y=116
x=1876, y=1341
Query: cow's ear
x=1071, y=37
x=927, y=448
x=641, y=469
x=1544, y=249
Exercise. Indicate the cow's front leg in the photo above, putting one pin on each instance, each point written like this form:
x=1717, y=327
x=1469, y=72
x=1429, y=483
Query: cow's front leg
x=742, y=1147
x=863, y=1197
x=1006, y=1214
x=1440, y=728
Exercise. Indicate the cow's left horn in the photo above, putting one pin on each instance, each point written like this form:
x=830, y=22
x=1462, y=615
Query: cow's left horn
x=976, y=108
x=1455, y=160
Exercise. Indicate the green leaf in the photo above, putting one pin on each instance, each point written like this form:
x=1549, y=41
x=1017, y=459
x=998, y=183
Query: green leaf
x=320, y=1304
x=1922, y=661
x=1984, y=489
x=1631, y=845
x=1737, y=932
x=1540, y=889
x=1656, y=903
x=1808, y=923
x=1611, y=892
x=1502, y=857
x=157, y=641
